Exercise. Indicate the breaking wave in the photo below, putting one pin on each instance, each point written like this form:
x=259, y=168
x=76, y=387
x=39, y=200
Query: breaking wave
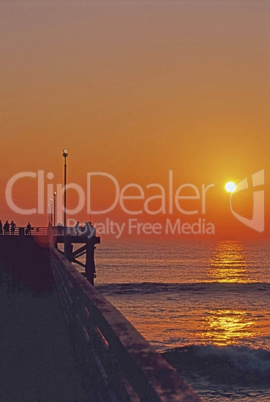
x=149, y=287
x=236, y=365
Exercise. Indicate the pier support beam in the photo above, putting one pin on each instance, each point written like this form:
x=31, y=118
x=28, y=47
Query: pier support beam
x=87, y=248
x=90, y=270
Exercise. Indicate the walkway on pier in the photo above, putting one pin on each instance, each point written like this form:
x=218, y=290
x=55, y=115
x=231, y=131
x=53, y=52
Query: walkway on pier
x=37, y=359
x=37, y=356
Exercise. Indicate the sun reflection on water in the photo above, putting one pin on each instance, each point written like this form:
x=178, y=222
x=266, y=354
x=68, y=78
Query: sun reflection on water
x=227, y=327
x=229, y=263
x=223, y=326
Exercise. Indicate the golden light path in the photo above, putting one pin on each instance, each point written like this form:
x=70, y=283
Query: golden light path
x=227, y=326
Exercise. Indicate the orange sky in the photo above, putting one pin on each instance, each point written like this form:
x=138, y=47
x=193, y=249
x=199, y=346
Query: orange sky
x=136, y=89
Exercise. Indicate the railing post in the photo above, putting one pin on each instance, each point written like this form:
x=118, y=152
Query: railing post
x=90, y=270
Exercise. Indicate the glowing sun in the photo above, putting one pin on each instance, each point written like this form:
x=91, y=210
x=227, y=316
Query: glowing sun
x=230, y=186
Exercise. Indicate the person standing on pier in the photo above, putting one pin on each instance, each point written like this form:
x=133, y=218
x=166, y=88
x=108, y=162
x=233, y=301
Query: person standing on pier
x=13, y=225
x=77, y=228
x=28, y=228
x=6, y=228
x=59, y=229
x=90, y=230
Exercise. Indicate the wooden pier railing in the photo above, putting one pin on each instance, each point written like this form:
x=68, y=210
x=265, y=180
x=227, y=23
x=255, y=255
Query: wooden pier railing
x=43, y=231
x=117, y=363
x=24, y=231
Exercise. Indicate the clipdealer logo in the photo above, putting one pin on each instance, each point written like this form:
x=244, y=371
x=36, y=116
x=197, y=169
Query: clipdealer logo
x=170, y=199
x=153, y=199
x=257, y=221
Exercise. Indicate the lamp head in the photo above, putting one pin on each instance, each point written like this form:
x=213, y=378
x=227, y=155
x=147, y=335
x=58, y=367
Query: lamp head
x=65, y=152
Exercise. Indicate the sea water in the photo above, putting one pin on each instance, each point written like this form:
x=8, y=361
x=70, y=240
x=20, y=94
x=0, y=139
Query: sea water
x=203, y=305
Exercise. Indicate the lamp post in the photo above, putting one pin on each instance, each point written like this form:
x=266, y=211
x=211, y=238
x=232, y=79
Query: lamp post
x=54, y=207
x=51, y=212
x=65, y=154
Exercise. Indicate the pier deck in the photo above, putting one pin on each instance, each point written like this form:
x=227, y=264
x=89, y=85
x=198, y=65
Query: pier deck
x=37, y=356
x=39, y=359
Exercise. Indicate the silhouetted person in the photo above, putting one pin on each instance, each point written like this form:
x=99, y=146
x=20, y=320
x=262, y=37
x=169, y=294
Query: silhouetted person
x=28, y=228
x=12, y=225
x=1, y=227
x=77, y=228
x=6, y=228
x=90, y=230
x=59, y=229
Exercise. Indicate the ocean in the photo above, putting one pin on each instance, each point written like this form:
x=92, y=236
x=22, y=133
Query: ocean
x=203, y=305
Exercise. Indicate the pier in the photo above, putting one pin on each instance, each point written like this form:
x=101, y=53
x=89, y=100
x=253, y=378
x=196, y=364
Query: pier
x=68, y=237
x=108, y=361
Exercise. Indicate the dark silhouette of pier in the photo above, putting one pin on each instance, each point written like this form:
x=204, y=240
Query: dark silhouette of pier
x=85, y=350
x=60, y=235
x=37, y=356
